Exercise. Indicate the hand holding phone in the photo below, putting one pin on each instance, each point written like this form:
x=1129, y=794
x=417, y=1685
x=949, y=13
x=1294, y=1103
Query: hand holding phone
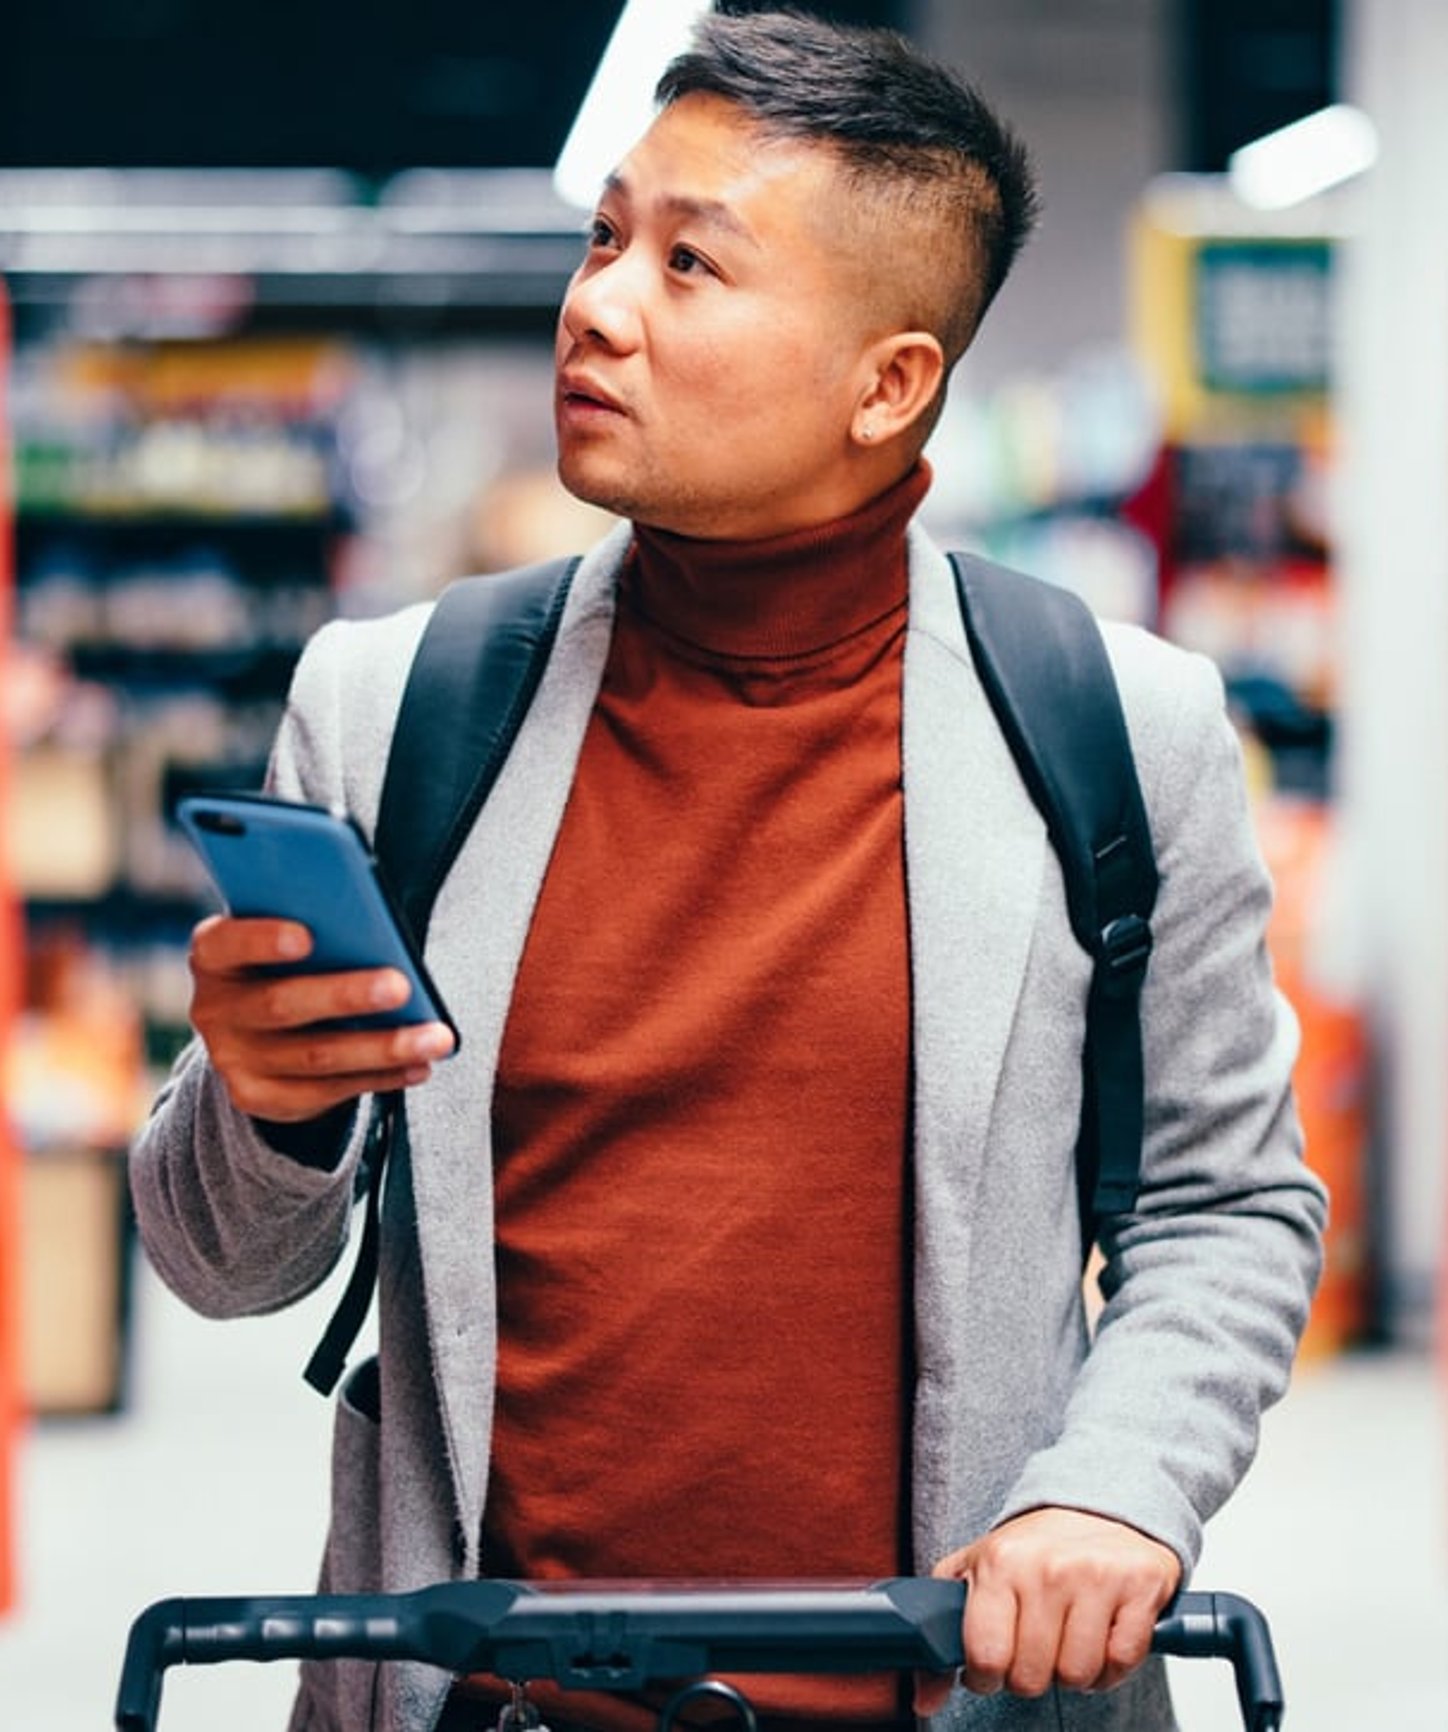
x=292, y=1054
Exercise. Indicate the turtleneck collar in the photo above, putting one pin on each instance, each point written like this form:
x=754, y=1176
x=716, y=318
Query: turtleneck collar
x=788, y=595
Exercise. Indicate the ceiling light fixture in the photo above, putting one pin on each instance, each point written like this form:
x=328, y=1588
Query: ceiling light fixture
x=1306, y=158
x=619, y=103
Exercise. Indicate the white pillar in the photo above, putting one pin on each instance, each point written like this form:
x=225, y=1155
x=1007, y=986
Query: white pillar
x=1393, y=396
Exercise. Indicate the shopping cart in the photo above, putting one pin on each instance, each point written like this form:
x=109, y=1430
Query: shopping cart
x=597, y=1636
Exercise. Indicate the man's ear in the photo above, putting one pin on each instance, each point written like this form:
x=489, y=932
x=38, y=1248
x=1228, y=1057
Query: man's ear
x=903, y=375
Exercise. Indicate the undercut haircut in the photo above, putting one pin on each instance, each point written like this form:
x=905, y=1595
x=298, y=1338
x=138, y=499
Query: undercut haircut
x=912, y=138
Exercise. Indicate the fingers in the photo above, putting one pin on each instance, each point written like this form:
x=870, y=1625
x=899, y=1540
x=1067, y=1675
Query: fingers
x=1056, y=1597
x=221, y=944
x=991, y=1644
x=291, y=1076
x=1129, y=1642
x=1080, y=1642
x=270, y=1037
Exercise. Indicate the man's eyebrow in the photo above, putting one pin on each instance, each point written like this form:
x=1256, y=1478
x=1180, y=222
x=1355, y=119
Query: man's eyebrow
x=712, y=211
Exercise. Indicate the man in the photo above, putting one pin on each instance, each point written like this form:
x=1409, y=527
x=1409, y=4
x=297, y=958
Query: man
x=740, y=1239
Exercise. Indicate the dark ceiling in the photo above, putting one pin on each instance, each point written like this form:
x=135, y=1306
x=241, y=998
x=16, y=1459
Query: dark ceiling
x=1244, y=67
x=368, y=85
x=375, y=86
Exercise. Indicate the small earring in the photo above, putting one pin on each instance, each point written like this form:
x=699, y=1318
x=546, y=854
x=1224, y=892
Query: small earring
x=867, y=432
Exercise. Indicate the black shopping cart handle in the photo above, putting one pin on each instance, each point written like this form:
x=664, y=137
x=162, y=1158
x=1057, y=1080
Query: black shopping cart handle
x=596, y=1636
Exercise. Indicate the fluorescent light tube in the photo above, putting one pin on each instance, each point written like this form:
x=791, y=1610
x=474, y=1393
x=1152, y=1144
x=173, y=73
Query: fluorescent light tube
x=620, y=102
x=1306, y=158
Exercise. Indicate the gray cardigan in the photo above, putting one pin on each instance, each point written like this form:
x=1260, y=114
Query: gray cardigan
x=1207, y=1282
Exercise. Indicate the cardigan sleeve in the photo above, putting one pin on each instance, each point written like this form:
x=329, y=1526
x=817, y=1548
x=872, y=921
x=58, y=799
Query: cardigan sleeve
x=230, y=1222
x=1208, y=1280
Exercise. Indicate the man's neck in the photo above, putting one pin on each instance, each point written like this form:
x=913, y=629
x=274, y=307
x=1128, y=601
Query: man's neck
x=784, y=595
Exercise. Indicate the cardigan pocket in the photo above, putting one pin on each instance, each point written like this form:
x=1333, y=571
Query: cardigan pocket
x=354, y=1555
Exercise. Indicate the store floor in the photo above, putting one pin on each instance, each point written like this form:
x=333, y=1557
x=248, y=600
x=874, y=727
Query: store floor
x=213, y=1481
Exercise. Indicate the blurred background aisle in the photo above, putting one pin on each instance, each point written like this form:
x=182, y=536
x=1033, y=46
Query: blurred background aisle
x=215, y=1481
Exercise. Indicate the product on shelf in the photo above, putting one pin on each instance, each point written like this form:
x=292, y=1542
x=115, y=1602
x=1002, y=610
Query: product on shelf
x=75, y=1278
x=1043, y=475
x=75, y=1084
x=242, y=429
x=1248, y=574
x=1275, y=623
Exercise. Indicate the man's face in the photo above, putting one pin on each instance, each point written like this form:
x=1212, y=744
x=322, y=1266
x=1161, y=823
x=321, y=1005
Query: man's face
x=709, y=353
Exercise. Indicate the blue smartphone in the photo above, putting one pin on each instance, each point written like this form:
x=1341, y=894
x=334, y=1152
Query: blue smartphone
x=284, y=860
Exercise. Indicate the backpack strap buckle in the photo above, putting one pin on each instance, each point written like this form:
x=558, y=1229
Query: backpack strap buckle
x=1123, y=951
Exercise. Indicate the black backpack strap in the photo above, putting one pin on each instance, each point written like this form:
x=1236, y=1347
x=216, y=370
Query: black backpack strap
x=476, y=671
x=1044, y=667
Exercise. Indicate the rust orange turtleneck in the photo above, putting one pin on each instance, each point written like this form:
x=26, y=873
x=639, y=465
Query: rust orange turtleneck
x=701, y=1118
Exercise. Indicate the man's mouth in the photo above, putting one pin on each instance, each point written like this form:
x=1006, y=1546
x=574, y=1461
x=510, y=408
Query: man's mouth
x=578, y=392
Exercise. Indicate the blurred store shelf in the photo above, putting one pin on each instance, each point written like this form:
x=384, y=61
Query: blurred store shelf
x=217, y=246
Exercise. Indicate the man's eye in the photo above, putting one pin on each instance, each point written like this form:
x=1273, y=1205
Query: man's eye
x=600, y=233
x=686, y=260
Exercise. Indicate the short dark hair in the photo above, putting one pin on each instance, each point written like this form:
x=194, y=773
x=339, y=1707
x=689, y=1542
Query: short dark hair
x=896, y=119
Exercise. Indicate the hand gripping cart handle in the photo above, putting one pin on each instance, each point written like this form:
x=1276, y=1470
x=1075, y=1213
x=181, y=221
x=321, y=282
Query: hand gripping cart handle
x=597, y=1636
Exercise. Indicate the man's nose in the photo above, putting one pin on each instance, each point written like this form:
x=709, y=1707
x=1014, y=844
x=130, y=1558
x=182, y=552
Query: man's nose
x=602, y=305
